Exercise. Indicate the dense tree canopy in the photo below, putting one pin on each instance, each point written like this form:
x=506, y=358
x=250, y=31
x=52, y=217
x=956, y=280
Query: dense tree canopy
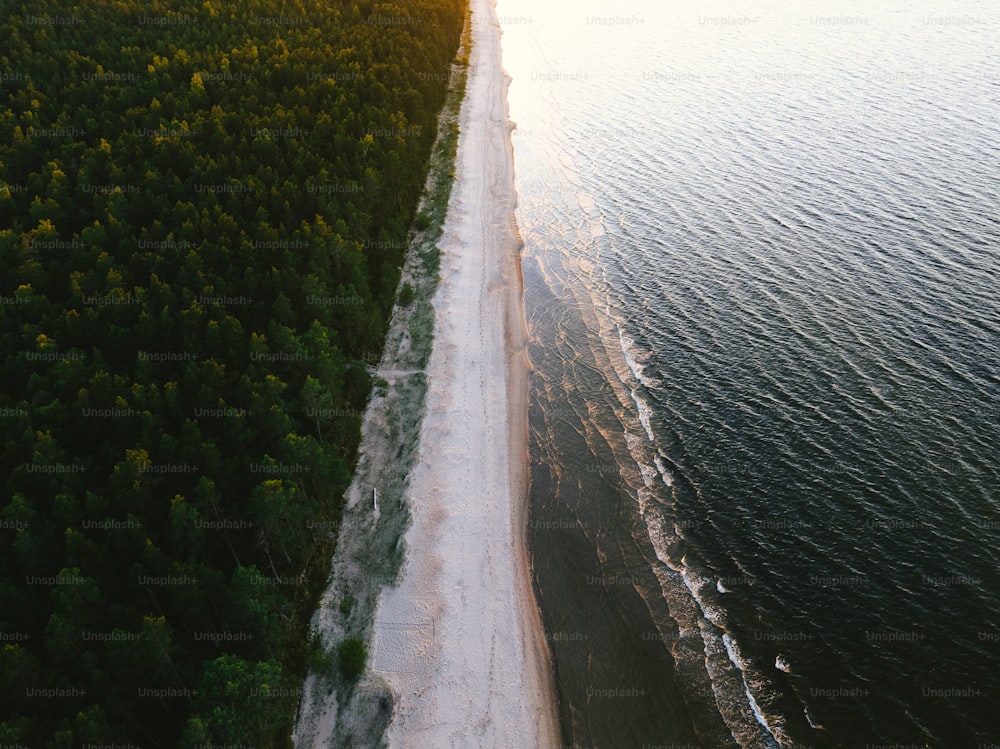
x=203, y=208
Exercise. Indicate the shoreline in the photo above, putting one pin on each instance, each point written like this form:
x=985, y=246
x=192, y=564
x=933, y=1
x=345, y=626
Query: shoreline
x=464, y=664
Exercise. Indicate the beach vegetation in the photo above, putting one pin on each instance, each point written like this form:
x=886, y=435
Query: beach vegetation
x=347, y=605
x=352, y=655
x=406, y=294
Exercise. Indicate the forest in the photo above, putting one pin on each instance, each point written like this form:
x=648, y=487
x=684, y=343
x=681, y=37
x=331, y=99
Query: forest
x=203, y=210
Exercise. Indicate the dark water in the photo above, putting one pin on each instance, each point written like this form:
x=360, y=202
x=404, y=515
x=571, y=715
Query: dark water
x=762, y=272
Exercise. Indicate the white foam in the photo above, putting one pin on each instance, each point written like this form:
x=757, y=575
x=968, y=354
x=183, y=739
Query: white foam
x=736, y=657
x=635, y=358
x=809, y=718
x=645, y=415
x=668, y=477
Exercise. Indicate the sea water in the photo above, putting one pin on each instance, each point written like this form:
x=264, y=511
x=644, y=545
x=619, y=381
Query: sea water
x=762, y=279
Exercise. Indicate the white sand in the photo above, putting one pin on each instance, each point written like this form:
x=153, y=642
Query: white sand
x=460, y=640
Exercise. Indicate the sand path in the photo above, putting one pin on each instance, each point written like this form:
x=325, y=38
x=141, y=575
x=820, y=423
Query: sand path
x=460, y=640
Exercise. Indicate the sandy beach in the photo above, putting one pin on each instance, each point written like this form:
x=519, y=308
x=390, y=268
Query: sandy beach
x=459, y=641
